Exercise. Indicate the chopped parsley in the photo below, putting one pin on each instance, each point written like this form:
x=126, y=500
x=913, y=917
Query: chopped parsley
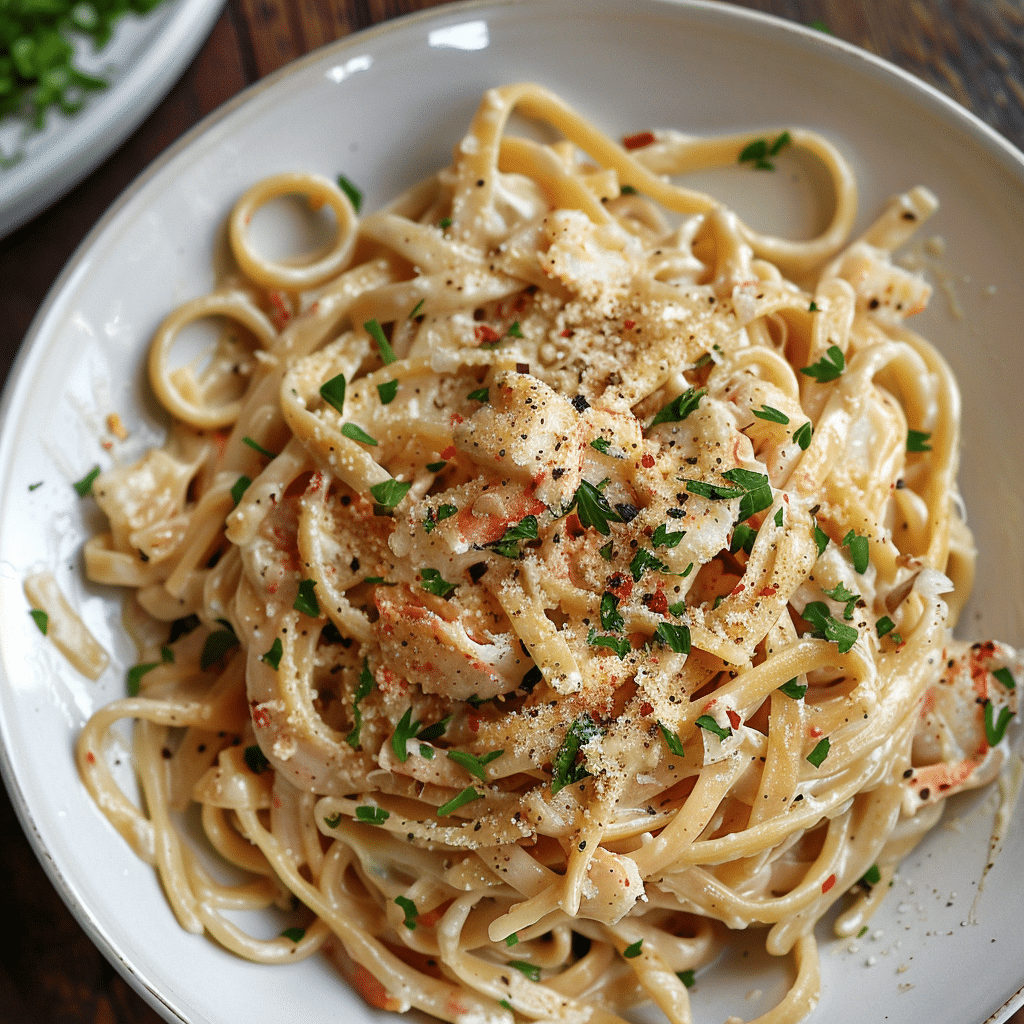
x=743, y=537
x=374, y=329
x=273, y=656
x=592, y=508
x=802, y=436
x=779, y=518
x=619, y=644
x=372, y=815
x=793, y=689
x=605, y=550
x=135, y=674
x=611, y=618
x=770, y=413
x=829, y=367
x=884, y=625
x=871, y=877
x=663, y=538
x=433, y=583
x=388, y=493
x=514, y=331
x=644, y=560
x=333, y=392
x=756, y=153
x=753, y=489
x=917, y=441
x=820, y=752
x=672, y=740
x=387, y=391
x=859, y=550
x=679, y=408
x=257, y=447
x=332, y=820
x=217, y=644
x=1005, y=676
x=255, y=759
x=305, y=599
x=508, y=544
x=602, y=444
x=829, y=628
x=564, y=769
x=355, y=197
x=408, y=908
x=433, y=518
x=295, y=934
x=444, y=223
x=41, y=619
x=84, y=486
x=843, y=596
x=404, y=731
x=467, y=796
x=512, y=940
x=686, y=977
x=633, y=949
x=479, y=395
x=354, y=432
x=239, y=487
x=365, y=684
x=532, y=971
x=474, y=764
x=675, y=637
x=707, y=723
x=820, y=539
x=996, y=729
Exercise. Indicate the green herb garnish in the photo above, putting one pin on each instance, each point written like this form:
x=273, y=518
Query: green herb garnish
x=374, y=329
x=843, y=596
x=611, y=619
x=388, y=493
x=564, y=769
x=817, y=614
x=829, y=367
x=995, y=730
x=663, y=538
x=592, y=508
x=333, y=392
x=41, y=619
x=387, y=391
x=707, y=723
x=404, y=731
x=217, y=644
x=239, y=487
x=679, y=408
x=675, y=637
x=644, y=560
x=135, y=674
x=793, y=689
x=479, y=395
x=255, y=759
x=532, y=971
x=756, y=153
x=917, y=441
x=434, y=583
x=820, y=752
x=802, y=436
x=363, y=687
x=355, y=197
x=508, y=544
x=633, y=949
x=619, y=644
x=305, y=599
x=773, y=415
x=672, y=740
x=84, y=486
x=473, y=763
x=273, y=656
x=372, y=815
x=859, y=550
x=1005, y=676
x=257, y=447
x=409, y=909
x=602, y=444
x=467, y=796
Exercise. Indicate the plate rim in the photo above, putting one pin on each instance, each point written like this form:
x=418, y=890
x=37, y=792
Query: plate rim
x=41, y=180
x=30, y=347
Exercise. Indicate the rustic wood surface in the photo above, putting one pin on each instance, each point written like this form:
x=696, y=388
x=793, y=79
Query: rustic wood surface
x=50, y=973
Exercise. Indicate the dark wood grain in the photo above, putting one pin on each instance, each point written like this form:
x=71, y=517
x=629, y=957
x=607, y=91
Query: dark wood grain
x=973, y=50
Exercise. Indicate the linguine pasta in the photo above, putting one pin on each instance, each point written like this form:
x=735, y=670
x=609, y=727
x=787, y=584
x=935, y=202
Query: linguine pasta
x=551, y=576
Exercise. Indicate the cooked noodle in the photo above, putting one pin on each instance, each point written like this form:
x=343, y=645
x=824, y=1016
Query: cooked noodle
x=561, y=573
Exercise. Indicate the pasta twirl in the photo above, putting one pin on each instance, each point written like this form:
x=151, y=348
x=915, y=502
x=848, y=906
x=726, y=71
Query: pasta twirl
x=552, y=576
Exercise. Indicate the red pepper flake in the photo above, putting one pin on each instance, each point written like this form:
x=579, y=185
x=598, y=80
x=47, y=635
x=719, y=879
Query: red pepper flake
x=639, y=140
x=456, y=419
x=647, y=461
x=629, y=324
x=828, y=883
x=567, y=333
x=280, y=314
x=90, y=757
x=658, y=603
x=619, y=583
x=473, y=721
x=738, y=589
x=815, y=731
x=486, y=335
x=260, y=717
x=734, y=719
x=646, y=709
x=768, y=591
x=448, y=453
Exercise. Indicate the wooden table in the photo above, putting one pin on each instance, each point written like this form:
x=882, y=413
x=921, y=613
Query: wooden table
x=50, y=973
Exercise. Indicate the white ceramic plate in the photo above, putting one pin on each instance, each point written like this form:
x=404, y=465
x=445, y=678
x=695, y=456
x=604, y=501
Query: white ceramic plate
x=144, y=58
x=385, y=107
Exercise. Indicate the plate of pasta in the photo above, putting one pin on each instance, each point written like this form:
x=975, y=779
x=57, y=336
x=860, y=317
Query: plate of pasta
x=534, y=546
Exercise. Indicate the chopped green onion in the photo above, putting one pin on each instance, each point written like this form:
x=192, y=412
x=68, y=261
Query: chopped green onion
x=355, y=197
x=239, y=487
x=467, y=796
x=474, y=764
